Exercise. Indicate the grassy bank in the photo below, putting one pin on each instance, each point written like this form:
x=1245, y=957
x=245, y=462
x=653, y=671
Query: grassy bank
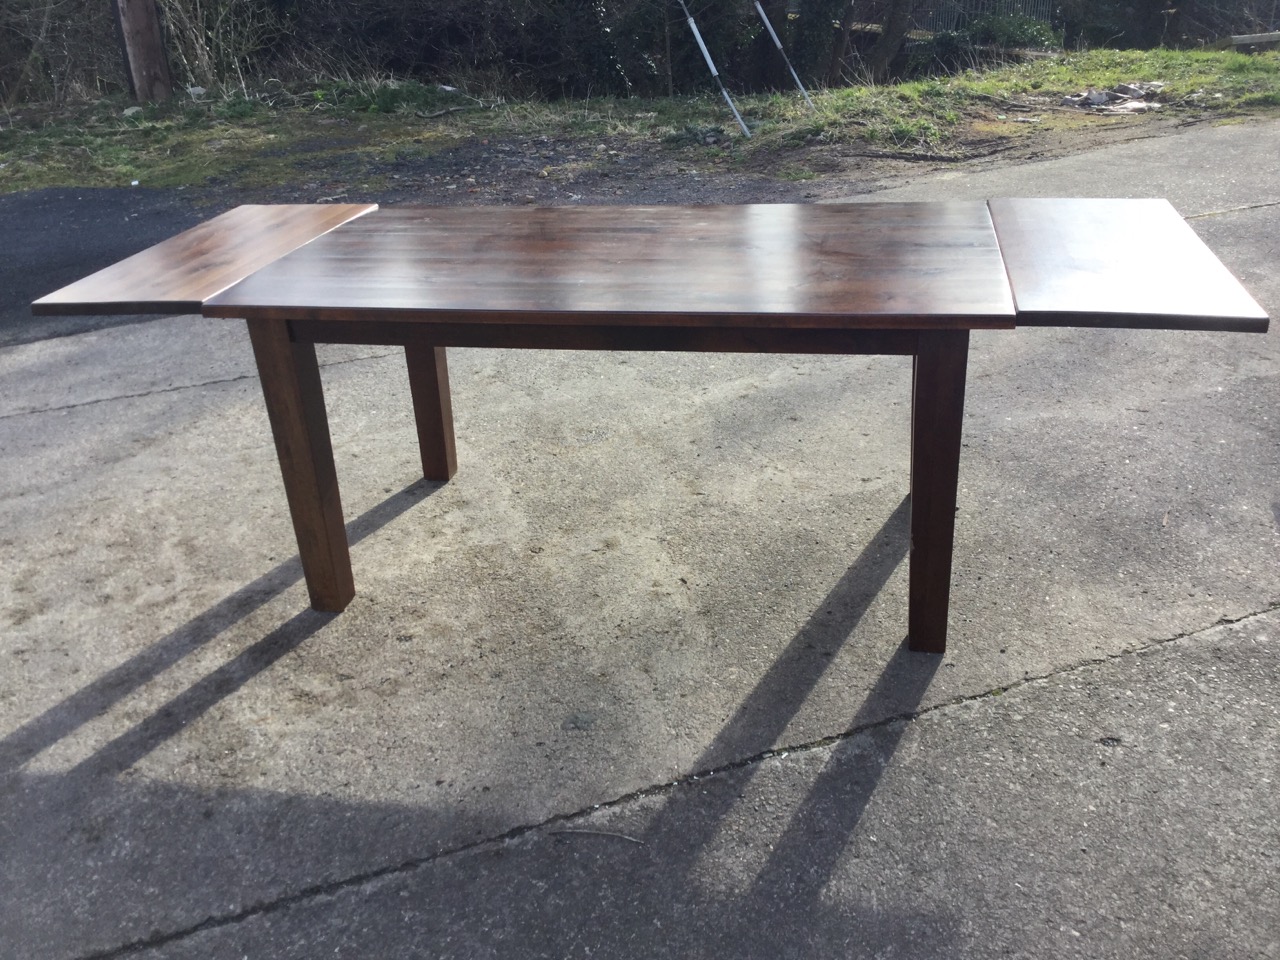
x=257, y=137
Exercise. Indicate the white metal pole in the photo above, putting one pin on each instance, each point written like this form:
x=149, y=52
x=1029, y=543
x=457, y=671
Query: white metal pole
x=706, y=55
x=787, y=60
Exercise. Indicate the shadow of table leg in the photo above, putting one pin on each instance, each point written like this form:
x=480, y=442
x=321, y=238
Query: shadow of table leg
x=295, y=405
x=119, y=682
x=937, y=413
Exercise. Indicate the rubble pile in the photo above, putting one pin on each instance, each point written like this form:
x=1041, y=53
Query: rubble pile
x=1122, y=98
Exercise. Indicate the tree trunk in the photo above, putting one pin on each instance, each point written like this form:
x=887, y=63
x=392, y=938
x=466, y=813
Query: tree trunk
x=666, y=33
x=840, y=47
x=148, y=69
x=893, y=31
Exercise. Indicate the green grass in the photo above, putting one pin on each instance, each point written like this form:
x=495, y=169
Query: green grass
x=271, y=135
x=1185, y=73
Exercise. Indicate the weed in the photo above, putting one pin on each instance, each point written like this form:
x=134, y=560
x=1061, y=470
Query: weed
x=904, y=132
x=694, y=134
x=1270, y=98
x=236, y=108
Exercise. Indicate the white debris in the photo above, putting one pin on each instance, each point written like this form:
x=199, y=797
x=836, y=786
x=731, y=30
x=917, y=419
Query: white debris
x=1129, y=106
x=132, y=111
x=1138, y=90
x=1122, y=98
x=196, y=91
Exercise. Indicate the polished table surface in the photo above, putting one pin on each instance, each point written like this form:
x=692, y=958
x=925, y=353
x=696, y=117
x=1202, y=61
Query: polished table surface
x=871, y=265
x=865, y=278
x=180, y=274
x=1006, y=262
x=1116, y=263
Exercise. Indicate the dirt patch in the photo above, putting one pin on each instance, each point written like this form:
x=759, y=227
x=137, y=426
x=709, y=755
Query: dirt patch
x=712, y=169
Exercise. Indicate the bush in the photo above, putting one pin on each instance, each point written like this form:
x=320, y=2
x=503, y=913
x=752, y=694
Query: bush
x=1012, y=32
x=217, y=43
x=54, y=50
x=987, y=39
x=528, y=47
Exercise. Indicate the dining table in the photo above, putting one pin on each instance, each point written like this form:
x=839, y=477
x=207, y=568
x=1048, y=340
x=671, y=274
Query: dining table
x=908, y=279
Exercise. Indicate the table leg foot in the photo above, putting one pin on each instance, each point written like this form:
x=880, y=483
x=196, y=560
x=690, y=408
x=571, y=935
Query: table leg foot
x=432, y=410
x=295, y=405
x=936, y=419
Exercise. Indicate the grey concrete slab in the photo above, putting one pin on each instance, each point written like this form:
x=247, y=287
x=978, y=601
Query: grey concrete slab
x=149, y=357
x=1122, y=809
x=648, y=566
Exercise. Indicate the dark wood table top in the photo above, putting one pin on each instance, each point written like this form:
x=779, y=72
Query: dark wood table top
x=179, y=275
x=886, y=266
x=840, y=266
x=1116, y=263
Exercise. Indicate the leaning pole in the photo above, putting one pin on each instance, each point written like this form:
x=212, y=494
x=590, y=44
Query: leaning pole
x=711, y=65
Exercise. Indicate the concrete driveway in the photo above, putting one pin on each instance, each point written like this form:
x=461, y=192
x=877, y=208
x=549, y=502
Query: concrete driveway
x=633, y=683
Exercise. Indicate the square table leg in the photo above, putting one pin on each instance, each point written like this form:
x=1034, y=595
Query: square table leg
x=911, y=466
x=295, y=405
x=937, y=414
x=432, y=409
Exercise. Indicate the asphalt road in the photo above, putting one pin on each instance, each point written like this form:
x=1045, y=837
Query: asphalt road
x=56, y=236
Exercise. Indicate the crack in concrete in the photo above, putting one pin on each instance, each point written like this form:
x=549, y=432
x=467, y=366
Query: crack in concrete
x=163, y=390
x=123, y=396
x=1247, y=206
x=408, y=866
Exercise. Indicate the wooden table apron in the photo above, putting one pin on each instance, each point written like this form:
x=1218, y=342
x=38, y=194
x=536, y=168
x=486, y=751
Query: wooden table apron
x=906, y=279
x=290, y=376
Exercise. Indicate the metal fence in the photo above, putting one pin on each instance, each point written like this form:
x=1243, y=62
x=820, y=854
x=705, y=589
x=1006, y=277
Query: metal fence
x=931, y=16
x=1226, y=17
x=935, y=15
x=1191, y=20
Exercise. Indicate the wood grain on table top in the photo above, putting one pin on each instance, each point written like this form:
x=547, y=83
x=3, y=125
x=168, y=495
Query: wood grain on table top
x=838, y=266
x=1116, y=263
x=178, y=275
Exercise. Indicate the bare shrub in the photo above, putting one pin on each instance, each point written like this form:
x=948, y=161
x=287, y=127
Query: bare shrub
x=55, y=50
x=217, y=42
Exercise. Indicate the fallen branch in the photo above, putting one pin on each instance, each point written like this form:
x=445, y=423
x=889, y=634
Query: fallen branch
x=1007, y=104
x=916, y=156
x=441, y=113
